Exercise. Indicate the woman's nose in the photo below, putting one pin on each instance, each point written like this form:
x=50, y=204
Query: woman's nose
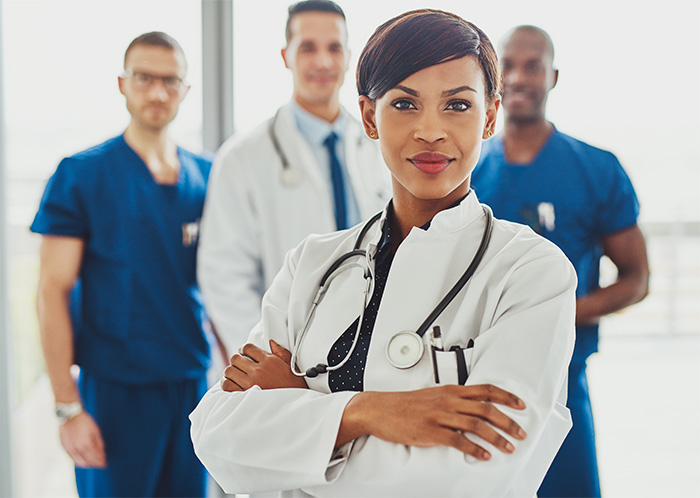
x=430, y=128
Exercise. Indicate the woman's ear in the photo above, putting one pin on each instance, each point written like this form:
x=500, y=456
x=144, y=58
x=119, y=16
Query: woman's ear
x=369, y=121
x=491, y=115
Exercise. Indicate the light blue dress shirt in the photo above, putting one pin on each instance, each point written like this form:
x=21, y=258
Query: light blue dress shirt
x=315, y=130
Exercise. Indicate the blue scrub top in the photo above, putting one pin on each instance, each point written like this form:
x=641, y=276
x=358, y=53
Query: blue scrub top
x=137, y=311
x=572, y=193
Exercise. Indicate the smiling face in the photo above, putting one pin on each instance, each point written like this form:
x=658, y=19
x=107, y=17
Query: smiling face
x=528, y=76
x=430, y=127
x=153, y=104
x=317, y=55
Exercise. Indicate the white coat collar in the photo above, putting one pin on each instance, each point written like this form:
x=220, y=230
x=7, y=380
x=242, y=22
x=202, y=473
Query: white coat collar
x=458, y=217
x=449, y=220
x=300, y=155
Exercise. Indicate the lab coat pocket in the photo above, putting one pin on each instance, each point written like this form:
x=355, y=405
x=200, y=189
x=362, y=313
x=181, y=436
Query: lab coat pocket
x=452, y=366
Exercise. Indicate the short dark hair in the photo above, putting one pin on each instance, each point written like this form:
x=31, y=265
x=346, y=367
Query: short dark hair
x=419, y=39
x=532, y=29
x=155, y=39
x=310, y=6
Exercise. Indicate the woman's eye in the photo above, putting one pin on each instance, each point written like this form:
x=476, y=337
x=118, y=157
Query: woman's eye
x=459, y=105
x=403, y=105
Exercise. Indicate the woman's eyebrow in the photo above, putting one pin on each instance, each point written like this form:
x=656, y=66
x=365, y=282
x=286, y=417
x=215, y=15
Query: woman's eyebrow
x=455, y=91
x=409, y=91
x=446, y=93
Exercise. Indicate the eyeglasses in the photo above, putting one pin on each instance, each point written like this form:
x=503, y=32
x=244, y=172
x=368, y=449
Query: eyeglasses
x=144, y=81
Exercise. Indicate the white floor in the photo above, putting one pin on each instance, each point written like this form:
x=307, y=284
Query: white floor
x=646, y=403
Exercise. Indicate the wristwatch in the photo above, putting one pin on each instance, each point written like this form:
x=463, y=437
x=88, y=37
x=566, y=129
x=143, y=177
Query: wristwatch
x=68, y=411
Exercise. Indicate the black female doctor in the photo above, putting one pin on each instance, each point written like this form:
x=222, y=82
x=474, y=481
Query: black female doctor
x=357, y=425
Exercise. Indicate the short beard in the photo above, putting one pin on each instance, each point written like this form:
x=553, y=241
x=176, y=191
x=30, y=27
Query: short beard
x=522, y=120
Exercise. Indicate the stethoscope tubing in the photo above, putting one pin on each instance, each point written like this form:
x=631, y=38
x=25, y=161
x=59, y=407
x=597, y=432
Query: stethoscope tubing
x=449, y=297
x=322, y=368
x=323, y=287
x=276, y=142
x=290, y=175
x=369, y=278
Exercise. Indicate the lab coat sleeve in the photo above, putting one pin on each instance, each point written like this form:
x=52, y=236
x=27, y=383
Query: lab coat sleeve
x=525, y=349
x=263, y=440
x=283, y=439
x=228, y=262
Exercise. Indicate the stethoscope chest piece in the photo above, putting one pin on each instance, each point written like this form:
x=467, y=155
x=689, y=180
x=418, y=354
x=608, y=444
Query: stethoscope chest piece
x=291, y=176
x=404, y=349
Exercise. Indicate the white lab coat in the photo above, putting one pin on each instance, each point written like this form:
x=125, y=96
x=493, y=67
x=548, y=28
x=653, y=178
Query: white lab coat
x=251, y=218
x=519, y=308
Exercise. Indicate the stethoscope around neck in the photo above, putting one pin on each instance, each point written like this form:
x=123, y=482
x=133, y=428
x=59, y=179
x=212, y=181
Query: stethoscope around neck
x=404, y=349
x=290, y=176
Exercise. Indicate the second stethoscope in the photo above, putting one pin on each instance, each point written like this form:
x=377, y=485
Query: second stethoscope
x=405, y=349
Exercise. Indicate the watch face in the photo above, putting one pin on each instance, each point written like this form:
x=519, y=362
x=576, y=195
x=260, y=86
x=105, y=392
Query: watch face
x=66, y=411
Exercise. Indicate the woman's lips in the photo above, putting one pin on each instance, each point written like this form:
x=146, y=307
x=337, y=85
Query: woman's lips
x=431, y=163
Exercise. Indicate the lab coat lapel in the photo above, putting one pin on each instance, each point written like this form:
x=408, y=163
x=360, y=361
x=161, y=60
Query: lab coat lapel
x=339, y=307
x=425, y=267
x=337, y=311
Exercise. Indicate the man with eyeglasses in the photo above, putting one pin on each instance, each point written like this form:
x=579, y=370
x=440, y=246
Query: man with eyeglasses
x=118, y=295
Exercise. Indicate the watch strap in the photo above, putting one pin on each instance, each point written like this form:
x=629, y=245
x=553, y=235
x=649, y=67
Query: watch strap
x=68, y=411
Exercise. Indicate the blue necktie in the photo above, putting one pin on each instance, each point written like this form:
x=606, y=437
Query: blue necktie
x=341, y=216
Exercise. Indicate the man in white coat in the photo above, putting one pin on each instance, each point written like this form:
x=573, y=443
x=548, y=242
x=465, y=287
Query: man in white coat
x=309, y=169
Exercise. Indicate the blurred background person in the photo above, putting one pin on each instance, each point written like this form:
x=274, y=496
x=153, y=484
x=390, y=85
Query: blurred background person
x=118, y=295
x=581, y=199
x=309, y=169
